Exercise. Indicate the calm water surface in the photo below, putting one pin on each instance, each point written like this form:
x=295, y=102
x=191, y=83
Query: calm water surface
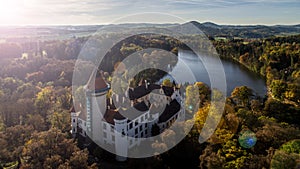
x=235, y=74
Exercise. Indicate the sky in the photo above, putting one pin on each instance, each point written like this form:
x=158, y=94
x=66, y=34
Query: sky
x=83, y=12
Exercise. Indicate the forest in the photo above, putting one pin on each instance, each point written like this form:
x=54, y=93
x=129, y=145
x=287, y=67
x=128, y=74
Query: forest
x=36, y=96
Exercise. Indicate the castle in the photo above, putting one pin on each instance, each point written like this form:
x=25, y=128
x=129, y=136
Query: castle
x=107, y=120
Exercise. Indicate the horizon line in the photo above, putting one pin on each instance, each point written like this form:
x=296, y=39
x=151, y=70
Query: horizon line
x=155, y=23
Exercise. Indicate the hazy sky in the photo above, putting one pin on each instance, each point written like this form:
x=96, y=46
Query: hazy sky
x=38, y=12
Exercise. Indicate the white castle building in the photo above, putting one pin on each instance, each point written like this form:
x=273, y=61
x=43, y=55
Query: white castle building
x=107, y=120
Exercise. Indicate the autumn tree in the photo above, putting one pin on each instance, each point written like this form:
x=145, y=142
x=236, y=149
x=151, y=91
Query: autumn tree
x=14, y=138
x=5, y=155
x=274, y=134
x=52, y=149
x=204, y=91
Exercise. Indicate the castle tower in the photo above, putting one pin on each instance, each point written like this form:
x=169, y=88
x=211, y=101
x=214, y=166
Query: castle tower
x=121, y=143
x=96, y=90
x=74, y=121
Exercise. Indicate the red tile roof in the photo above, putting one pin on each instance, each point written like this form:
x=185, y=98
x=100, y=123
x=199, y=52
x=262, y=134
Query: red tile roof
x=72, y=110
x=110, y=115
x=96, y=82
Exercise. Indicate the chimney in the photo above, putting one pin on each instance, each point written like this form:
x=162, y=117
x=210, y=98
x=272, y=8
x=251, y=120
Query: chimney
x=132, y=104
x=146, y=84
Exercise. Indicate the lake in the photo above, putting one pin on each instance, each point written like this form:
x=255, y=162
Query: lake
x=235, y=74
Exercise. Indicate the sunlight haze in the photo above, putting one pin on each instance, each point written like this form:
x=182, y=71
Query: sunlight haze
x=77, y=12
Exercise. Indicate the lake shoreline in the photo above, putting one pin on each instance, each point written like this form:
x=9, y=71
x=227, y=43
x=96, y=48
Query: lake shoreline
x=236, y=73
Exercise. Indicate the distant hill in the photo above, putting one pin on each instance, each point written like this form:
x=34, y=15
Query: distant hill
x=215, y=30
x=16, y=33
x=247, y=31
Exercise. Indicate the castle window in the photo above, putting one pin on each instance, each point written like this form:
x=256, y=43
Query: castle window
x=142, y=134
x=123, y=133
x=112, y=128
x=146, y=125
x=73, y=120
x=146, y=132
x=136, y=130
x=141, y=127
x=130, y=126
x=136, y=123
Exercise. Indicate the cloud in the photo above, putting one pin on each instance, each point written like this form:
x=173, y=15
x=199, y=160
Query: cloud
x=226, y=3
x=104, y=11
x=99, y=7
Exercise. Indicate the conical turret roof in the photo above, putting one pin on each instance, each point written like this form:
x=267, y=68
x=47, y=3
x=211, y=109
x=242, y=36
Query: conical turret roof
x=97, y=82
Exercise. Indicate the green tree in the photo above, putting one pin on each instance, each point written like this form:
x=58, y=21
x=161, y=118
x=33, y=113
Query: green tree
x=44, y=100
x=64, y=98
x=167, y=82
x=293, y=92
x=11, y=84
x=278, y=88
x=292, y=147
x=235, y=156
x=242, y=94
x=36, y=121
x=284, y=160
x=60, y=120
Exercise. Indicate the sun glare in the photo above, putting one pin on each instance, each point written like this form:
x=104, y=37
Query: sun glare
x=10, y=10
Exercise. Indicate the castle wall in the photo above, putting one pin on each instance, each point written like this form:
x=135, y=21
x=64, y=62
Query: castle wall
x=123, y=134
x=96, y=107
